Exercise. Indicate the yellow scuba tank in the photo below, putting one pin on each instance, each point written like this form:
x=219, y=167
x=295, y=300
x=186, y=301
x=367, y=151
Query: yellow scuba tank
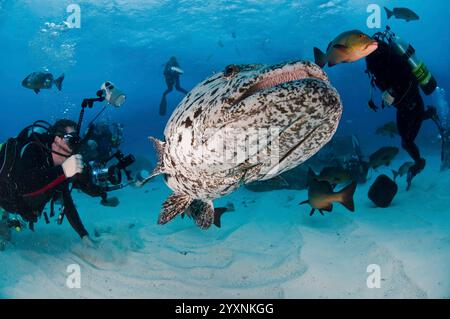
x=418, y=68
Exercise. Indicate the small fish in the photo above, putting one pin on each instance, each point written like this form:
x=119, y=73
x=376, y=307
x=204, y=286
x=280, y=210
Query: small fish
x=333, y=175
x=403, y=170
x=349, y=46
x=388, y=129
x=383, y=156
x=42, y=80
x=233, y=35
x=402, y=13
x=321, y=197
x=220, y=44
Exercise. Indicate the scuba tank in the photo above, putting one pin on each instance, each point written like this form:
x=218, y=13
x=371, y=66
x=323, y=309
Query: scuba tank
x=418, y=68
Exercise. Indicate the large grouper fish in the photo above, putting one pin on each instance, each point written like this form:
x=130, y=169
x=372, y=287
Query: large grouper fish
x=247, y=123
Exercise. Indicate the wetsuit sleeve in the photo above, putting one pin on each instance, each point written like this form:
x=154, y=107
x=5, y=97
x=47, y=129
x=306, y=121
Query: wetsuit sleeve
x=72, y=215
x=34, y=172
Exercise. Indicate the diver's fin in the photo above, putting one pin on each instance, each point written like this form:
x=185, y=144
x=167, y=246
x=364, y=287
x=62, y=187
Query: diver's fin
x=174, y=205
x=347, y=196
x=218, y=212
x=205, y=214
x=409, y=178
x=320, y=58
x=58, y=82
x=36, y=91
x=389, y=13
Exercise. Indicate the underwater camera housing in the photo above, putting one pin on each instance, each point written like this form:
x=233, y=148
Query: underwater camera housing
x=110, y=178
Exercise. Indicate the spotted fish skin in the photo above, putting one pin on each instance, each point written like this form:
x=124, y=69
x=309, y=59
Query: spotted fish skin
x=247, y=123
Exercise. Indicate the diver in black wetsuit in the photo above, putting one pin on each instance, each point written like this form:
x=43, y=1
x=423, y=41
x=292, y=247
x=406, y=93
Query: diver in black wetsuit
x=400, y=88
x=172, y=73
x=40, y=172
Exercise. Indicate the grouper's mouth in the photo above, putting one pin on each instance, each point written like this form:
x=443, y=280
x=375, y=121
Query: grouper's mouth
x=278, y=75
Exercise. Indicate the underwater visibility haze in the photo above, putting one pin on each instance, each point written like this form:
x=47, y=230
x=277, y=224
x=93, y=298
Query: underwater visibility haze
x=224, y=149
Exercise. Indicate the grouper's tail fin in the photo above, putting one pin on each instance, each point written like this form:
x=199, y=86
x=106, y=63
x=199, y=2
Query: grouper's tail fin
x=159, y=169
x=320, y=58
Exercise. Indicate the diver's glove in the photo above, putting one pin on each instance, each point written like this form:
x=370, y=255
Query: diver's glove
x=387, y=98
x=88, y=242
x=73, y=165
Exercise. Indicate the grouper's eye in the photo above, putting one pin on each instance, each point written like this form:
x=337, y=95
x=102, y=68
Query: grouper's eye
x=231, y=70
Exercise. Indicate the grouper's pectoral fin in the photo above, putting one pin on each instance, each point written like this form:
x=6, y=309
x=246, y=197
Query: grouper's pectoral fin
x=203, y=213
x=174, y=205
x=159, y=169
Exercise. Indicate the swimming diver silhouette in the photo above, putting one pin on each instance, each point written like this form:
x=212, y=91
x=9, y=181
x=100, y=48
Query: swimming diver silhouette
x=171, y=73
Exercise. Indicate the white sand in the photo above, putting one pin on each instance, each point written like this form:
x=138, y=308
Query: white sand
x=268, y=248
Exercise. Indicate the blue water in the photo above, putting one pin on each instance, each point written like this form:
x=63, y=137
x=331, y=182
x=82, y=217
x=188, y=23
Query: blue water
x=128, y=43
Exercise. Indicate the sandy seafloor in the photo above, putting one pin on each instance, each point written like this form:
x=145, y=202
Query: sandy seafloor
x=268, y=248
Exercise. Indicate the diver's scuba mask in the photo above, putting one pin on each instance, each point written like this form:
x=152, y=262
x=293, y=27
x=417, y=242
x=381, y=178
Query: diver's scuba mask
x=72, y=139
x=113, y=95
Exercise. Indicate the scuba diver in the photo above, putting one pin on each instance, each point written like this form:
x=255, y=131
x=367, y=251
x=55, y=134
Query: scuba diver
x=172, y=73
x=395, y=70
x=37, y=168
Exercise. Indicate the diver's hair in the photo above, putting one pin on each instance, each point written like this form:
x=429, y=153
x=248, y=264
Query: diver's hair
x=60, y=126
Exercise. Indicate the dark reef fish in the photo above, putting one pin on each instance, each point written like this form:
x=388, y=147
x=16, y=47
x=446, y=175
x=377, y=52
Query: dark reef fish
x=321, y=197
x=333, y=175
x=388, y=129
x=402, y=13
x=403, y=170
x=42, y=80
x=383, y=156
x=247, y=123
